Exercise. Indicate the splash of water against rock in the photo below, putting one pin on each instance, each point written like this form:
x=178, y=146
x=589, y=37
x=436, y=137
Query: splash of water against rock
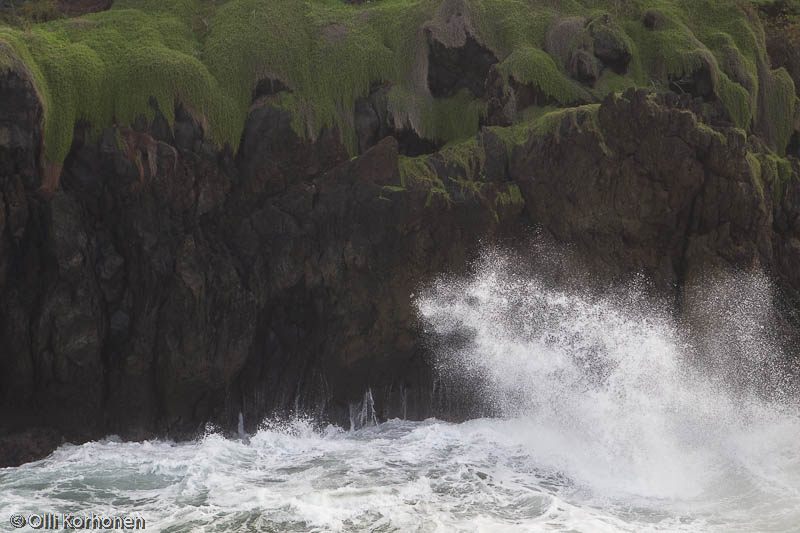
x=612, y=416
x=362, y=414
x=612, y=390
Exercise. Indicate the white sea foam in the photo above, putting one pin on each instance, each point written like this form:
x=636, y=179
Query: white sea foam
x=612, y=418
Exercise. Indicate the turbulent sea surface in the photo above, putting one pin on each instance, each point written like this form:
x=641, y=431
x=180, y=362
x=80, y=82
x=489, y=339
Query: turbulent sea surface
x=607, y=416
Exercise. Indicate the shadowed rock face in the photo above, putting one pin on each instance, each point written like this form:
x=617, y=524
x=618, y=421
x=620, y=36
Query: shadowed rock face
x=374, y=121
x=166, y=282
x=659, y=195
x=452, y=69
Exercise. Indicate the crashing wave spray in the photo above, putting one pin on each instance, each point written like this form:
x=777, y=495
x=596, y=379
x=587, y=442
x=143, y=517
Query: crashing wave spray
x=615, y=418
x=363, y=413
x=611, y=395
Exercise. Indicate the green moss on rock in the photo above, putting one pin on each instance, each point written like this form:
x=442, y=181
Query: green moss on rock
x=548, y=123
x=510, y=197
x=534, y=66
x=779, y=108
x=111, y=66
x=770, y=170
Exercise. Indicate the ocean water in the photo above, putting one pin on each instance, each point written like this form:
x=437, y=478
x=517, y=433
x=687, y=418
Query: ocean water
x=610, y=417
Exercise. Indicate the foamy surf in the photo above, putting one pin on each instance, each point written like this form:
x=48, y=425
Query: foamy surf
x=611, y=417
x=483, y=475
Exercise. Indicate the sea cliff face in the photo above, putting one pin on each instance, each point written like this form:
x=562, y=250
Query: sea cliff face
x=158, y=278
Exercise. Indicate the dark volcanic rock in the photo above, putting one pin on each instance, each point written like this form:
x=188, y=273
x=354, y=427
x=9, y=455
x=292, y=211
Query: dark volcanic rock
x=657, y=194
x=373, y=122
x=164, y=282
x=29, y=445
x=272, y=156
x=454, y=69
x=167, y=283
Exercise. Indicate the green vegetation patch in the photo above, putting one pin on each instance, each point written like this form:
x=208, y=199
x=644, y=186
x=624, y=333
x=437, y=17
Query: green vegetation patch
x=535, y=66
x=112, y=66
x=770, y=170
x=510, y=197
x=108, y=67
x=463, y=163
x=543, y=122
x=780, y=103
x=469, y=156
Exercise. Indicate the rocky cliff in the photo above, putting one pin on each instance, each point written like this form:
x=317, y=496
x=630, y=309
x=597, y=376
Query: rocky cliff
x=165, y=263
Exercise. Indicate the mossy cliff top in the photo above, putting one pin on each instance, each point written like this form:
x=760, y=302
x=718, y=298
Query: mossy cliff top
x=112, y=66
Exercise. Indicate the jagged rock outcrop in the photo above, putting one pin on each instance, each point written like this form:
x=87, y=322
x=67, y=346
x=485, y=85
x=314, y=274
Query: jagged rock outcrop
x=174, y=284
x=650, y=189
